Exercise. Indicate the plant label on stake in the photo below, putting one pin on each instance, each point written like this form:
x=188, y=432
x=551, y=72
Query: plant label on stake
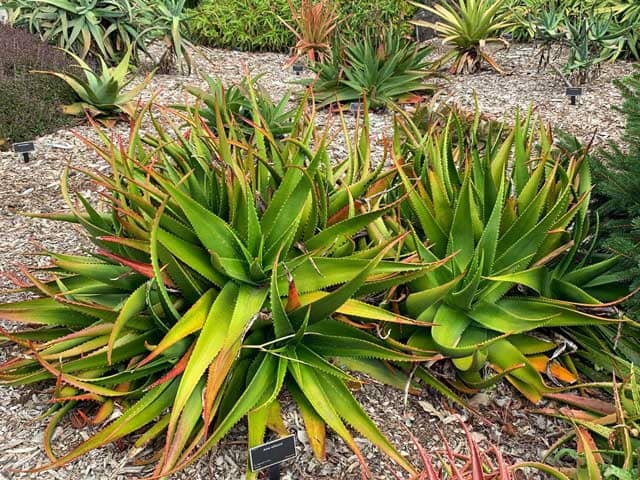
x=272, y=454
x=573, y=93
x=298, y=68
x=24, y=148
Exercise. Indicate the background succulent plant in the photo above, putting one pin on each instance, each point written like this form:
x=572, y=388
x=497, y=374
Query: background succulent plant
x=102, y=95
x=385, y=68
x=468, y=25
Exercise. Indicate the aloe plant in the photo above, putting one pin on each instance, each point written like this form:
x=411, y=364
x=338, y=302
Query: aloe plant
x=479, y=464
x=102, y=95
x=385, y=68
x=225, y=272
x=277, y=117
x=514, y=228
x=103, y=27
x=169, y=21
x=606, y=432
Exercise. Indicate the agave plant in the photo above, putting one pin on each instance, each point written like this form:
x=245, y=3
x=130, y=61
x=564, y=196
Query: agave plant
x=315, y=27
x=514, y=230
x=224, y=273
x=547, y=23
x=102, y=95
x=385, y=69
x=468, y=25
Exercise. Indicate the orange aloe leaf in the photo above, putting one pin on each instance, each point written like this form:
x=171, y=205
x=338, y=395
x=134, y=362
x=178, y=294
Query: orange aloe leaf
x=104, y=412
x=540, y=363
x=587, y=446
x=176, y=370
x=293, y=299
x=275, y=423
x=586, y=403
x=314, y=425
x=218, y=371
x=145, y=269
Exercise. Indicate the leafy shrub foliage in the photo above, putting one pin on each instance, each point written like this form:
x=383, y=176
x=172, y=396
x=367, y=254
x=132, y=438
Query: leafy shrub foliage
x=253, y=25
x=249, y=25
x=30, y=104
x=373, y=15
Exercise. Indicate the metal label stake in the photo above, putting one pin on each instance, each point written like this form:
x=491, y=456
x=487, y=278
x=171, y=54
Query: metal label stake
x=271, y=454
x=24, y=149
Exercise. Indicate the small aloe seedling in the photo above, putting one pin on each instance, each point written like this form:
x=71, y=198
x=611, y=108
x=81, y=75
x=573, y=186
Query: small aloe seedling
x=101, y=95
x=478, y=464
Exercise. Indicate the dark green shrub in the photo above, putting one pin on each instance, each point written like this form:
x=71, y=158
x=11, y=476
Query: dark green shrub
x=30, y=104
x=253, y=25
x=361, y=16
x=617, y=175
x=243, y=24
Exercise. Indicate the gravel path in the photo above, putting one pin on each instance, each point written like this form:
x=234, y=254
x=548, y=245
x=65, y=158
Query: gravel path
x=523, y=85
x=34, y=186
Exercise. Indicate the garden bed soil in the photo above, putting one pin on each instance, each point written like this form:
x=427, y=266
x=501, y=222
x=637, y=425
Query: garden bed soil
x=34, y=187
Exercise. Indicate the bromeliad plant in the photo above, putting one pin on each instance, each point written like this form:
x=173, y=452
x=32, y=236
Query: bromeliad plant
x=225, y=272
x=514, y=215
x=384, y=68
x=315, y=28
x=102, y=95
x=468, y=25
